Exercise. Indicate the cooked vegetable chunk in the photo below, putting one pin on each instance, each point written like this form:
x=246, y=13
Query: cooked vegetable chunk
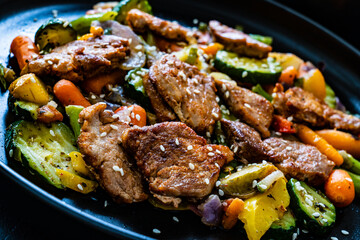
x=124, y=6
x=30, y=88
x=75, y=182
x=73, y=112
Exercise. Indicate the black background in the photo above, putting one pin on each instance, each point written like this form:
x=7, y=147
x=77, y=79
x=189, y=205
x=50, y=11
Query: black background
x=23, y=216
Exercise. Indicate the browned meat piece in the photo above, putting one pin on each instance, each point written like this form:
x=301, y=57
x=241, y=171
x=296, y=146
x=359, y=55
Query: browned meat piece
x=248, y=106
x=99, y=141
x=188, y=92
x=300, y=161
x=245, y=141
x=78, y=60
x=161, y=108
x=140, y=22
x=237, y=41
x=176, y=162
x=303, y=106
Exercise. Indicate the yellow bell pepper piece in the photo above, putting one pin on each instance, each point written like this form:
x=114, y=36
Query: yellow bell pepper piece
x=79, y=164
x=29, y=88
x=76, y=182
x=314, y=82
x=263, y=209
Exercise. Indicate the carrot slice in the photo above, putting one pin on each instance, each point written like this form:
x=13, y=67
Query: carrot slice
x=97, y=83
x=288, y=75
x=137, y=114
x=23, y=49
x=308, y=136
x=69, y=94
x=232, y=212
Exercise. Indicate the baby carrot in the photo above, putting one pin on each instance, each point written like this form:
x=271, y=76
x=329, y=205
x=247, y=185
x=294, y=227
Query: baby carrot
x=69, y=94
x=23, y=49
x=232, y=212
x=137, y=114
x=339, y=188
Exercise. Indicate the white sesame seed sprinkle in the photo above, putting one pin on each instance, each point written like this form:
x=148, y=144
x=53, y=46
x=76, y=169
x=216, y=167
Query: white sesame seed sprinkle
x=103, y=134
x=254, y=183
x=80, y=187
x=138, y=47
x=177, y=141
x=344, y=232
x=105, y=203
x=188, y=91
x=334, y=238
x=195, y=21
x=211, y=154
x=227, y=94
x=11, y=153
x=162, y=148
x=207, y=181
x=305, y=231
x=208, y=134
x=114, y=127
x=221, y=192
x=102, y=95
x=216, y=164
x=274, y=95
x=217, y=183
x=236, y=149
x=191, y=166
x=217, y=99
x=137, y=116
x=115, y=89
x=190, y=147
x=294, y=236
x=196, y=91
x=93, y=97
x=290, y=118
x=215, y=114
x=247, y=105
x=209, y=148
x=156, y=231
x=289, y=148
x=244, y=74
x=175, y=219
x=52, y=133
x=316, y=214
x=278, y=133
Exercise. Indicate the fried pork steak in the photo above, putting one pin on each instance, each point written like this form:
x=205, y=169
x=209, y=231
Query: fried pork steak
x=78, y=60
x=293, y=158
x=99, y=141
x=237, y=41
x=187, y=91
x=303, y=106
x=248, y=106
x=175, y=160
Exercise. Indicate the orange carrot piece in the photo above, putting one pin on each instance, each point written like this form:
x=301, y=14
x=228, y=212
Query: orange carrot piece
x=137, y=114
x=288, y=75
x=231, y=214
x=69, y=94
x=97, y=83
x=281, y=124
x=23, y=49
x=341, y=140
x=339, y=188
x=212, y=48
x=49, y=114
x=308, y=136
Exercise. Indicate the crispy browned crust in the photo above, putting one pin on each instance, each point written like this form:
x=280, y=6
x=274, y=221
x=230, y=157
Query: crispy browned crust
x=190, y=93
x=102, y=153
x=237, y=41
x=248, y=106
x=175, y=160
x=304, y=107
x=140, y=22
x=79, y=60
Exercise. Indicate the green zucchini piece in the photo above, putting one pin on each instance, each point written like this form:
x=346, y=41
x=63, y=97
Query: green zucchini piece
x=73, y=112
x=269, y=180
x=54, y=33
x=350, y=163
x=311, y=207
x=41, y=148
x=124, y=6
x=82, y=24
x=259, y=90
x=22, y=109
x=243, y=182
x=192, y=56
x=282, y=229
x=135, y=88
x=264, y=39
x=250, y=70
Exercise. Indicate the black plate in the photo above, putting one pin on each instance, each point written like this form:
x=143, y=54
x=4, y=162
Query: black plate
x=291, y=32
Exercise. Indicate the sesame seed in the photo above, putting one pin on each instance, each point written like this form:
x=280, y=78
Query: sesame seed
x=195, y=21
x=244, y=74
x=217, y=183
x=162, y=148
x=290, y=118
x=196, y=91
x=195, y=81
x=191, y=166
x=278, y=133
x=294, y=236
x=254, y=183
x=217, y=99
x=223, y=87
x=93, y=97
x=156, y=231
x=11, y=153
x=105, y=203
x=316, y=214
x=103, y=134
x=115, y=116
x=114, y=127
x=221, y=192
x=215, y=114
x=216, y=164
x=334, y=238
x=115, y=89
x=209, y=148
x=102, y=95
x=247, y=105
x=50, y=62
x=175, y=219
x=137, y=116
x=345, y=232
x=52, y=133
x=66, y=23
x=188, y=90
x=138, y=47
x=227, y=94
x=289, y=148
x=219, y=152
x=80, y=187
x=235, y=149
x=140, y=54
x=190, y=147
x=177, y=141
x=30, y=47
x=322, y=205
x=208, y=134
x=305, y=231
x=207, y=181
x=211, y=154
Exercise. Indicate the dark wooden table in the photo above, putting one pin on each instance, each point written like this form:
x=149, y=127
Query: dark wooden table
x=24, y=217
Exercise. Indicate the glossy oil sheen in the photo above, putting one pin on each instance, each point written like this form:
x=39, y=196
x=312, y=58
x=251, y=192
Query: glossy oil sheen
x=291, y=33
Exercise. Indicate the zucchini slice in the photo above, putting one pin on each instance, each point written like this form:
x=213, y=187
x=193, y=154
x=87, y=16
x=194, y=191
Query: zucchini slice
x=311, y=207
x=250, y=70
x=282, y=229
x=135, y=88
x=73, y=112
x=54, y=33
x=124, y=6
x=44, y=149
x=22, y=109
